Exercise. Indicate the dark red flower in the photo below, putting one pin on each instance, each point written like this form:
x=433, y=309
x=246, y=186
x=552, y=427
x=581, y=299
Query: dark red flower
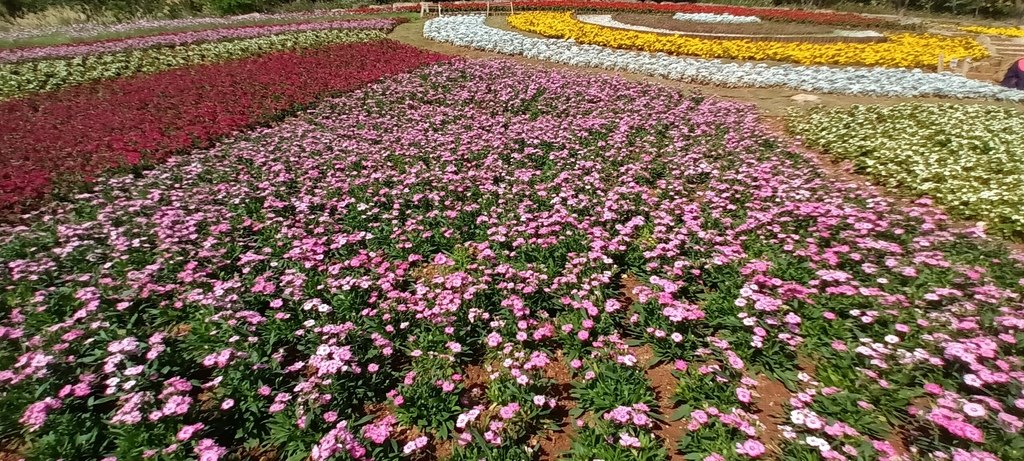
x=82, y=131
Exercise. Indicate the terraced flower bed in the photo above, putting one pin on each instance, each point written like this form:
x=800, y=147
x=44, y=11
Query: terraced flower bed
x=969, y=158
x=185, y=38
x=900, y=50
x=22, y=78
x=58, y=139
x=473, y=32
x=448, y=262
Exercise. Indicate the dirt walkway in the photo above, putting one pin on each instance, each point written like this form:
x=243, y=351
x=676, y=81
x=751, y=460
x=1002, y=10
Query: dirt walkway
x=771, y=101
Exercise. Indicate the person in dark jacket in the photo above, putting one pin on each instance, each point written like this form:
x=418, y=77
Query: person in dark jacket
x=1015, y=75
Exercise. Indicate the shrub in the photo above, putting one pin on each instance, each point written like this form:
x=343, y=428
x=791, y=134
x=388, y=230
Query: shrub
x=237, y=6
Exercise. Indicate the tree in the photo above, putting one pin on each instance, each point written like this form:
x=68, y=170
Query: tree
x=13, y=7
x=900, y=6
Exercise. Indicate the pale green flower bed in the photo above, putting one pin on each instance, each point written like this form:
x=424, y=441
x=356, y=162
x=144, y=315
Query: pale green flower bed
x=48, y=75
x=969, y=158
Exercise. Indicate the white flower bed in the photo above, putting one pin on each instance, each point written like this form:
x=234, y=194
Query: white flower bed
x=470, y=31
x=607, y=21
x=711, y=18
x=857, y=33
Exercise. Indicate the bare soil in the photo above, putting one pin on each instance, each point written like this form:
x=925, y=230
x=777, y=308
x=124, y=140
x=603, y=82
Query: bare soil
x=664, y=385
x=552, y=444
x=772, y=397
x=629, y=282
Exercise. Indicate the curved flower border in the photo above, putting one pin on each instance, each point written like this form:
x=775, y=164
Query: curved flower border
x=712, y=18
x=907, y=50
x=472, y=32
x=1015, y=32
x=606, y=20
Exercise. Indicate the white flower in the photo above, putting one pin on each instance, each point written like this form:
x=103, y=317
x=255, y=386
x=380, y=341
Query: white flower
x=606, y=20
x=974, y=410
x=711, y=18
x=471, y=31
x=816, y=442
x=972, y=380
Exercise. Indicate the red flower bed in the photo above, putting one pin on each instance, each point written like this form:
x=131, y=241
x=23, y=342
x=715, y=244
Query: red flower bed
x=87, y=129
x=773, y=14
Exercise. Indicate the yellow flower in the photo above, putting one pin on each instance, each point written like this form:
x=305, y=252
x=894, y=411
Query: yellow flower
x=900, y=50
x=1004, y=31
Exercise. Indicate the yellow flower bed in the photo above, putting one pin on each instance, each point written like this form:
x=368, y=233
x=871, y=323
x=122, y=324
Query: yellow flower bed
x=1004, y=31
x=901, y=50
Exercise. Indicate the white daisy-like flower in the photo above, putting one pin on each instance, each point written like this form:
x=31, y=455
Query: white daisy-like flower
x=472, y=32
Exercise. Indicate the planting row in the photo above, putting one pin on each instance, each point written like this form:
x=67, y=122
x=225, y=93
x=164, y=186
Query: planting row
x=764, y=28
x=968, y=157
x=34, y=76
x=471, y=31
x=899, y=50
x=185, y=38
x=711, y=18
x=1002, y=31
x=606, y=20
x=431, y=265
x=51, y=138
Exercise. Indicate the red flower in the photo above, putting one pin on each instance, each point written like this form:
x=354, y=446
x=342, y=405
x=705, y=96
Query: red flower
x=85, y=130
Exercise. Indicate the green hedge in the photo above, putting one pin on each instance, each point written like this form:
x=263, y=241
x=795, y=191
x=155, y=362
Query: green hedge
x=22, y=78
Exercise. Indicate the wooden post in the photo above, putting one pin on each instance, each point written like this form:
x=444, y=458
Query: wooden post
x=488, y=13
x=511, y=8
x=966, y=68
x=942, y=59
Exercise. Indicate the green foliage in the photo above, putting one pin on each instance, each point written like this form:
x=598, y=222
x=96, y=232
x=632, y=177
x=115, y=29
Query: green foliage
x=698, y=391
x=237, y=6
x=427, y=405
x=613, y=386
x=481, y=450
x=592, y=443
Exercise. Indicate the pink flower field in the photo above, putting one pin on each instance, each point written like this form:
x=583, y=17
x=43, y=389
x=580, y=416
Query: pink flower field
x=483, y=260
